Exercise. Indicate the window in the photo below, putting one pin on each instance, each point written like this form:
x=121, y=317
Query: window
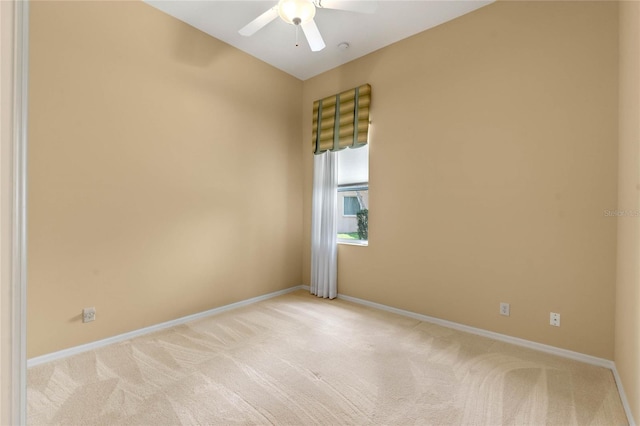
x=351, y=205
x=353, y=196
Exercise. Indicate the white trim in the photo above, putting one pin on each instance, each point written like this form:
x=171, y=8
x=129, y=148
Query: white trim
x=19, y=223
x=601, y=362
x=588, y=359
x=153, y=328
x=623, y=396
x=361, y=243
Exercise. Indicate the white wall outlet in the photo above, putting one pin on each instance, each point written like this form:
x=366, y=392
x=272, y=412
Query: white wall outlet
x=88, y=314
x=554, y=319
x=504, y=309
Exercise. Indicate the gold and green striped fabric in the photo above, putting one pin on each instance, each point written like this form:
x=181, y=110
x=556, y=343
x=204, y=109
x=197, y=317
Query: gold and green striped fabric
x=341, y=121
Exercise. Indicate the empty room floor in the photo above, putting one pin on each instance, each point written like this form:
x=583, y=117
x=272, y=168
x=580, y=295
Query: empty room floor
x=297, y=359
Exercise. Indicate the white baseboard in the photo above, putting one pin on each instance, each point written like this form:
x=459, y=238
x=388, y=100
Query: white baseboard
x=600, y=362
x=623, y=396
x=146, y=330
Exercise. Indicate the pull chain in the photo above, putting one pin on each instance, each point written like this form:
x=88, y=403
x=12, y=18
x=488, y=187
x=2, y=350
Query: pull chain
x=296, y=22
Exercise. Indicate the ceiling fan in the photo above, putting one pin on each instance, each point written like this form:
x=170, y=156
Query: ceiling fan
x=301, y=12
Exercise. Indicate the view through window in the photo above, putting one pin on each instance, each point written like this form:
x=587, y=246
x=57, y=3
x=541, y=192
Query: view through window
x=353, y=195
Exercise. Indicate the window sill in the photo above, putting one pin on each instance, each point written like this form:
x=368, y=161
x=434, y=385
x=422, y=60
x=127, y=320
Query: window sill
x=354, y=242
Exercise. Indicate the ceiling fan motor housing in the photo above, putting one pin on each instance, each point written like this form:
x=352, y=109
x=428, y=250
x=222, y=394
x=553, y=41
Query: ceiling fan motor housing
x=296, y=12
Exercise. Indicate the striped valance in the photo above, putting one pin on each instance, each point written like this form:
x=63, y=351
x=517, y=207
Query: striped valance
x=341, y=120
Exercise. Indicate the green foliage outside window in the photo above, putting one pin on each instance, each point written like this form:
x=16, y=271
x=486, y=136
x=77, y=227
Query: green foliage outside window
x=363, y=224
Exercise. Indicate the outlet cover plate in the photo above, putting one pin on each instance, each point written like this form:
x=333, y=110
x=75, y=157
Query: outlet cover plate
x=505, y=309
x=554, y=319
x=88, y=314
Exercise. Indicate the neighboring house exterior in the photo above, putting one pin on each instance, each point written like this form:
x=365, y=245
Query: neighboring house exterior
x=350, y=202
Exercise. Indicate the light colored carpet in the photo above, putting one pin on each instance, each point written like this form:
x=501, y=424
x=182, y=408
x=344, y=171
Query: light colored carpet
x=298, y=360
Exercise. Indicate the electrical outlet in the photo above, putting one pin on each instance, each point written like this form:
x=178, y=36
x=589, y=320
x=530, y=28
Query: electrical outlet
x=504, y=309
x=554, y=319
x=88, y=314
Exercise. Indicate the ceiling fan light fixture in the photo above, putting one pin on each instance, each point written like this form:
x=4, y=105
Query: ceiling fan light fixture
x=296, y=12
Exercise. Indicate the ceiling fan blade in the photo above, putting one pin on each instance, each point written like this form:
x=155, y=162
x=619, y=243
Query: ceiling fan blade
x=311, y=32
x=369, y=6
x=252, y=27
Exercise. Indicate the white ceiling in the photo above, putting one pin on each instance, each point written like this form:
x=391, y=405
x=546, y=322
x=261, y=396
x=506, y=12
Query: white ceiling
x=393, y=20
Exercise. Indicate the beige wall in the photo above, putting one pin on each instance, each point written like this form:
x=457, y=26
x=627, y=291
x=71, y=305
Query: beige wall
x=6, y=211
x=627, y=332
x=497, y=133
x=164, y=172
x=504, y=121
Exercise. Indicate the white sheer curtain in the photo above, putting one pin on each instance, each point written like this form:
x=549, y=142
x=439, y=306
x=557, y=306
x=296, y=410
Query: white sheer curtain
x=324, y=246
